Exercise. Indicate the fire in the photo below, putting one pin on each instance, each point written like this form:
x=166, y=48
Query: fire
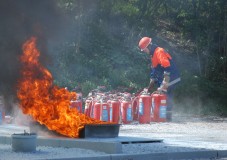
x=45, y=102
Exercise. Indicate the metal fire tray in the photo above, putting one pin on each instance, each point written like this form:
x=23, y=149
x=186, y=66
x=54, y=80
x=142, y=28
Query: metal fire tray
x=100, y=131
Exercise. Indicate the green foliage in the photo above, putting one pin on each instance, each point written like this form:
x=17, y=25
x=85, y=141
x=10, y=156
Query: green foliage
x=213, y=98
x=103, y=47
x=199, y=95
x=126, y=7
x=88, y=86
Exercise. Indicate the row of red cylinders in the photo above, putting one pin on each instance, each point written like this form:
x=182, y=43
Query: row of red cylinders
x=145, y=108
x=112, y=110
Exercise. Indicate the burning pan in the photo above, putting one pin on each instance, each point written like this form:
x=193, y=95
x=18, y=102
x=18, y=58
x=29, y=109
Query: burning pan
x=100, y=131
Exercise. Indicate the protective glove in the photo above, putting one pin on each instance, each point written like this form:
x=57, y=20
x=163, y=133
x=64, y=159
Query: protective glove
x=165, y=82
x=151, y=84
x=145, y=90
x=163, y=88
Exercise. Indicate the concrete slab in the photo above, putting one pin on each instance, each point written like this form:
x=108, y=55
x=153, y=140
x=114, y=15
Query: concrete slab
x=193, y=155
x=150, y=156
x=173, y=155
x=124, y=139
x=103, y=146
x=222, y=154
x=107, y=145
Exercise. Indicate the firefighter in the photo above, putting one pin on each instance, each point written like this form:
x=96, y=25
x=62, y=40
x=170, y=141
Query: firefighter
x=164, y=72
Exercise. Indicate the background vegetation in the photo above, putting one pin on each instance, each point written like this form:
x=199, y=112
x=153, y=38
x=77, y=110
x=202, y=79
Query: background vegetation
x=100, y=47
x=103, y=50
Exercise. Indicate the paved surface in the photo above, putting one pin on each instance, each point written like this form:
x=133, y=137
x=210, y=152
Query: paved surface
x=184, y=138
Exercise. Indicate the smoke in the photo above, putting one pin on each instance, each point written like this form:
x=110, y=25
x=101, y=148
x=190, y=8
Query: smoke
x=19, y=21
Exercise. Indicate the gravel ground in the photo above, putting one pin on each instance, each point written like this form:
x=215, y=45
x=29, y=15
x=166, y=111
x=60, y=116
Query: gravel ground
x=6, y=153
x=184, y=134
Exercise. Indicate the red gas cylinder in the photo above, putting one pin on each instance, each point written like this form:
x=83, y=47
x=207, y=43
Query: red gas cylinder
x=126, y=111
x=159, y=107
x=115, y=110
x=77, y=104
x=87, y=108
x=144, y=107
x=135, y=109
x=101, y=111
x=80, y=105
x=92, y=108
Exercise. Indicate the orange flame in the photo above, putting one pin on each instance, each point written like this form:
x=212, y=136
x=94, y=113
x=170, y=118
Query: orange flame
x=45, y=102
